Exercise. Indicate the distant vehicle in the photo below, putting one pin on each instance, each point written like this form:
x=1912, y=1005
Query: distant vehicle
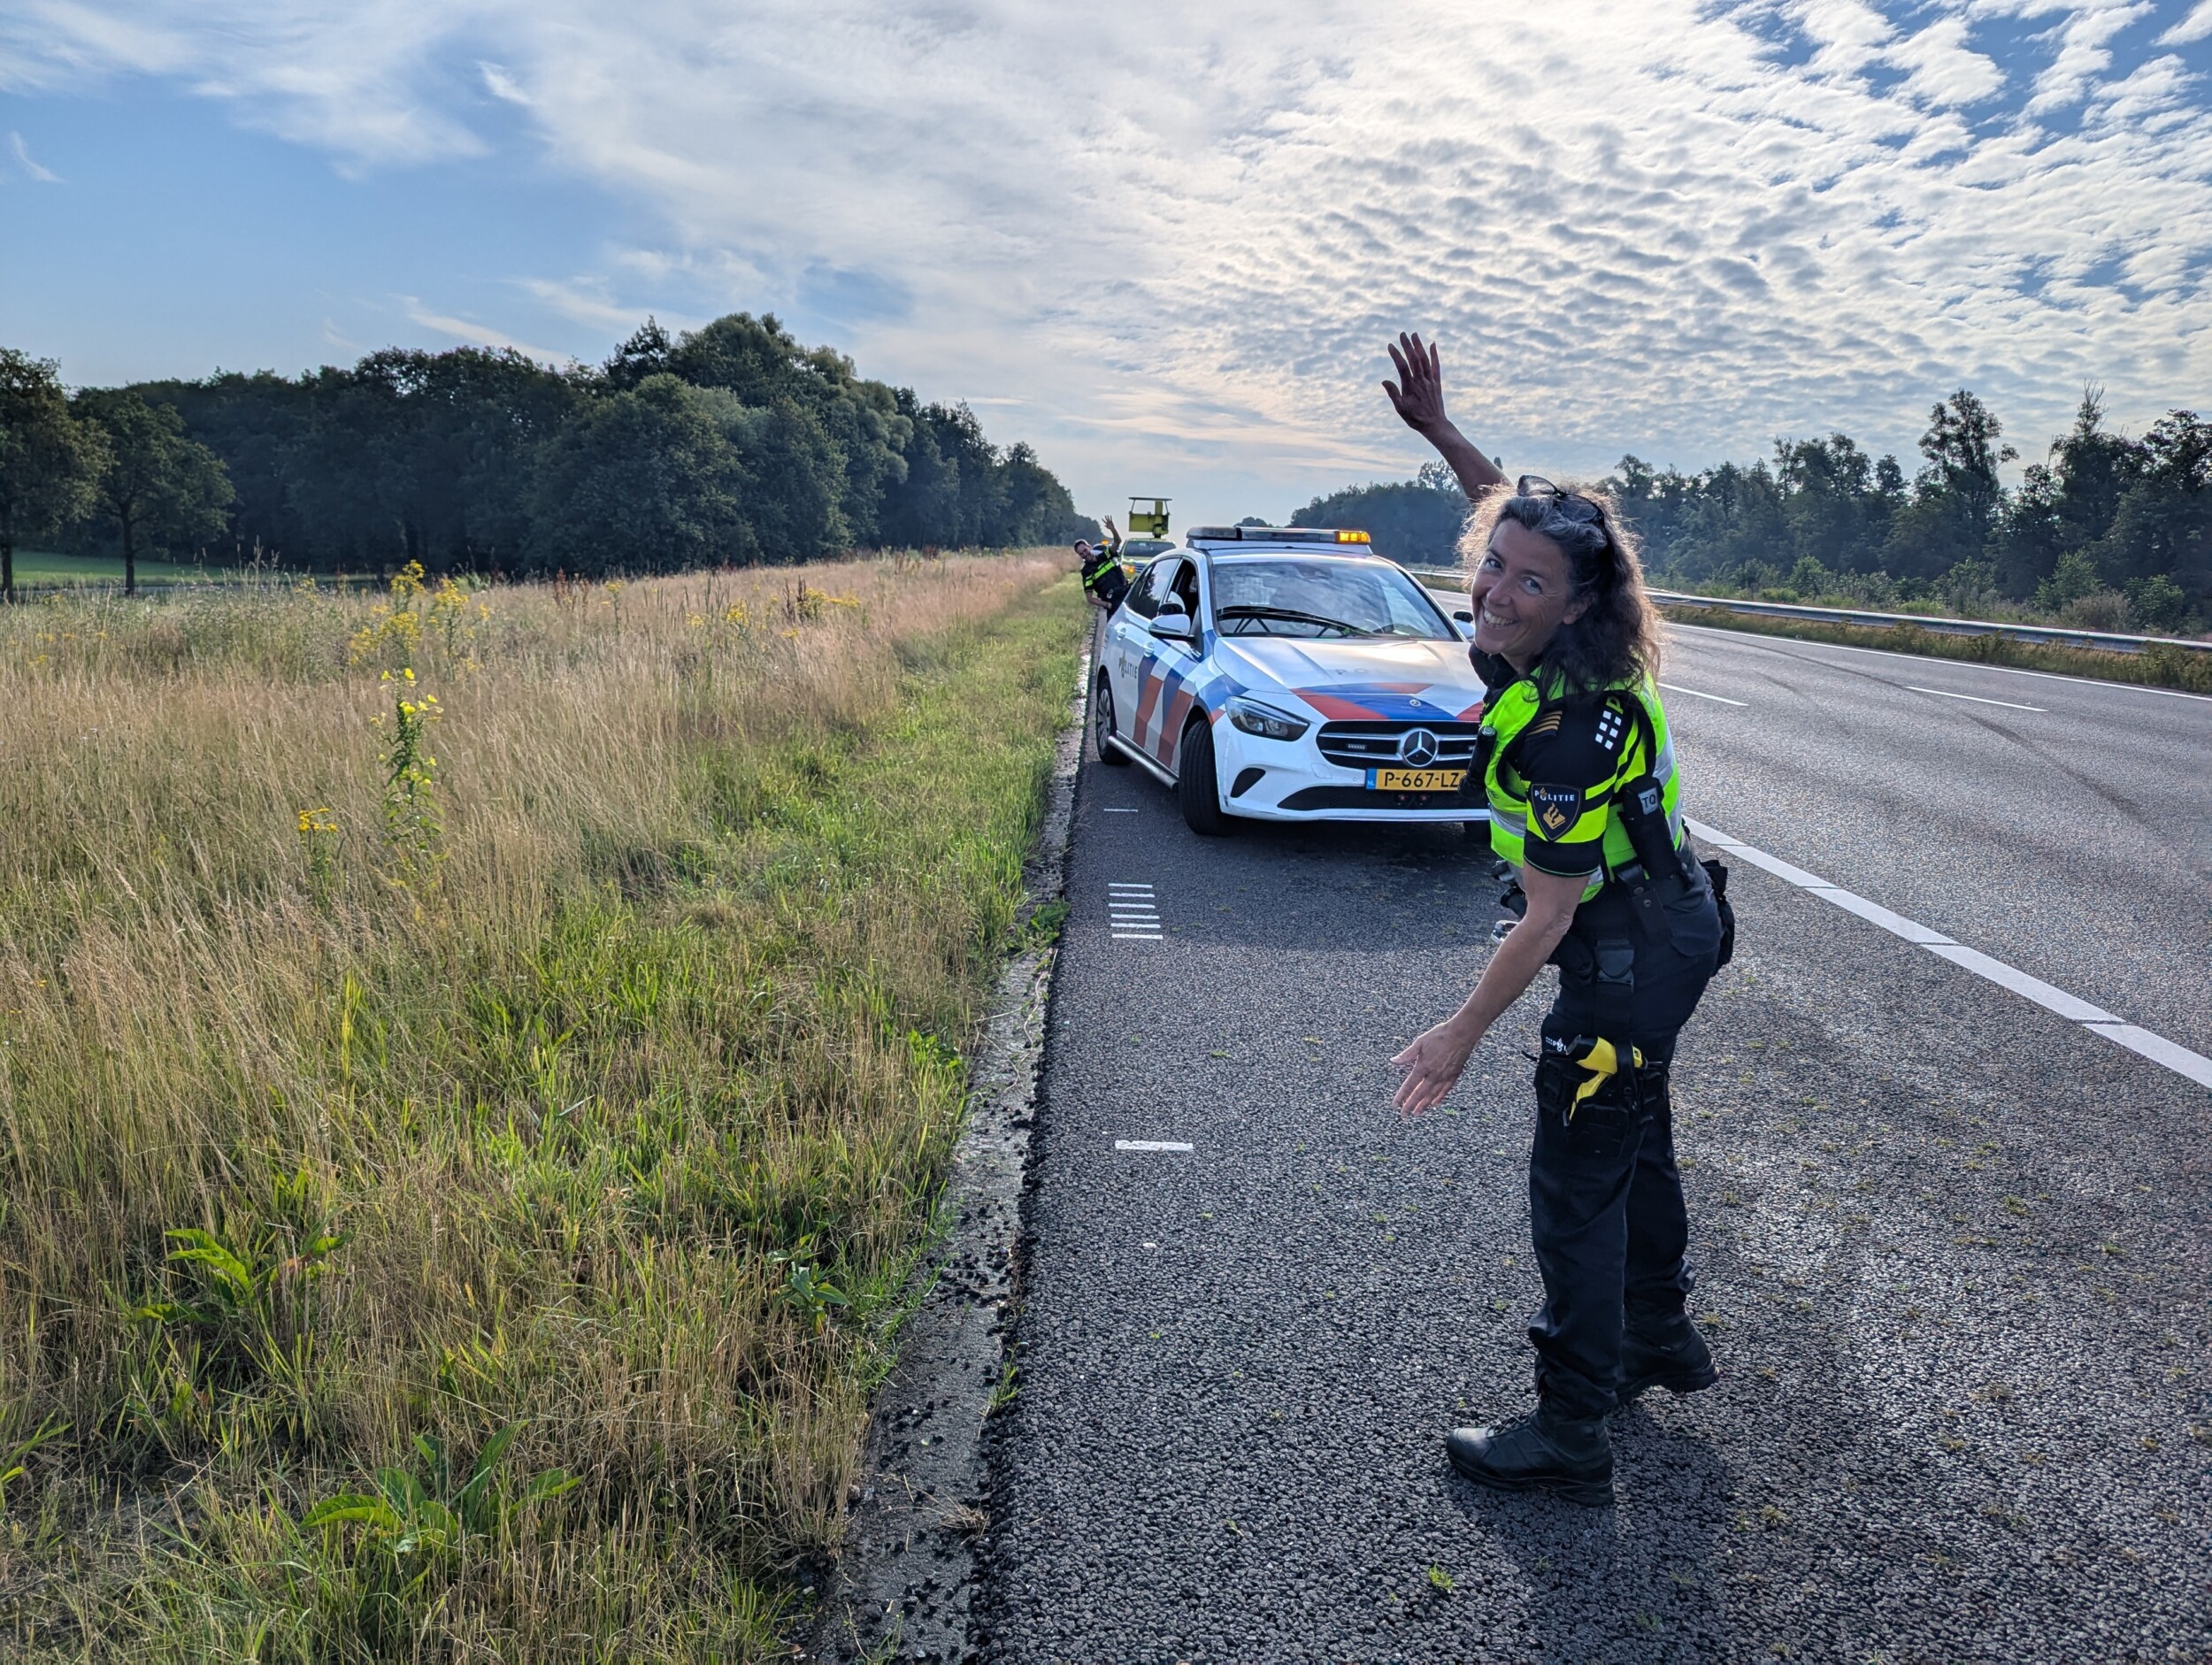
x=1288, y=674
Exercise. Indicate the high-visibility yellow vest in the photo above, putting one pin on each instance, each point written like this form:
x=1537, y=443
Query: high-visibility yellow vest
x=1503, y=721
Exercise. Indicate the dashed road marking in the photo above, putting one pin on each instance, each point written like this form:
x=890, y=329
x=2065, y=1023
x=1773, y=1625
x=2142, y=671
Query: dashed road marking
x=2190, y=1065
x=1130, y=911
x=1114, y=810
x=1150, y=1144
x=1699, y=694
x=1946, y=693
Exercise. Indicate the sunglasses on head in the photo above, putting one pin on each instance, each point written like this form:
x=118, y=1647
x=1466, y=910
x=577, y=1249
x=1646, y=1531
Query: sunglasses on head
x=1567, y=505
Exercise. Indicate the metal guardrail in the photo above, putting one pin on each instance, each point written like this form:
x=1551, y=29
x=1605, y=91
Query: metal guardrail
x=2102, y=641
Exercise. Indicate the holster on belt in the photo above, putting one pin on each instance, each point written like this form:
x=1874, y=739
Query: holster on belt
x=1573, y=1073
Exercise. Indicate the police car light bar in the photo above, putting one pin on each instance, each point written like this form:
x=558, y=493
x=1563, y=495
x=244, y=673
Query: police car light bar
x=1277, y=534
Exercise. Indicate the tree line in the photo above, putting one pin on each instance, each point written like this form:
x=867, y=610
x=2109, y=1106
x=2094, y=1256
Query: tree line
x=732, y=444
x=2108, y=531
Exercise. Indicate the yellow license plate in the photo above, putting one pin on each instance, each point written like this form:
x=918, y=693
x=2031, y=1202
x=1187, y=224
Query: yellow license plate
x=1414, y=780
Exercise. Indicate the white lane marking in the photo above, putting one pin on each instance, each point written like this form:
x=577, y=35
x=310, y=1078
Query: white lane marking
x=1118, y=885
x=1946, y=693
x=1150, y=1144
x=2158, y=1049
x=1874, y=913
x=1111, y=809
x=1698, y=694
x=2192, y=1066
x=2070, y=1007
x=1924, y=658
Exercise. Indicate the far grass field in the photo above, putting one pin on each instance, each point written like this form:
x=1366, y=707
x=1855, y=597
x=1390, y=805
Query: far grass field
x=42, y=566
x=463, y=1156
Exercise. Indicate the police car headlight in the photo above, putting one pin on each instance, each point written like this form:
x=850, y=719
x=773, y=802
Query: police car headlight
x=1265, y=720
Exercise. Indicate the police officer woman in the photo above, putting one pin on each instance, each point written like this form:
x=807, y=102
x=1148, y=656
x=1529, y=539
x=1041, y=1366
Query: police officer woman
x=1580, y=774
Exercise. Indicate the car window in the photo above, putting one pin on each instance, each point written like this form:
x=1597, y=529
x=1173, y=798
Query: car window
x=1143, y=549
x=1184, y=586
x=1287, y=596
x=1144, y=594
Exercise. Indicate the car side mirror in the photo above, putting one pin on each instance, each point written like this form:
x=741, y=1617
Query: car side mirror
x=1173, y=622
x=1461, y=616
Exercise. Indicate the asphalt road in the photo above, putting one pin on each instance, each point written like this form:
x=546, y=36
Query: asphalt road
x=1952, y=1249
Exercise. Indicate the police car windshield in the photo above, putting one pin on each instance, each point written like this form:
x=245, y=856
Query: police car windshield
x=1284, y=595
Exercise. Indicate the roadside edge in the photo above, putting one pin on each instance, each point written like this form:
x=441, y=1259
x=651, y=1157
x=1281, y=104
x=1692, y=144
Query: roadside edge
x=906, y=1583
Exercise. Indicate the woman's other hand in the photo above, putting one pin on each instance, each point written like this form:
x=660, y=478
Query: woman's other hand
x=1432, y=1064
x=1417, y=395
x=1437, y=1058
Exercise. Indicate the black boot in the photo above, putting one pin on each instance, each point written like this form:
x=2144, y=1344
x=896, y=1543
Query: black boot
x=1671, y=1355
x=1571, y=1457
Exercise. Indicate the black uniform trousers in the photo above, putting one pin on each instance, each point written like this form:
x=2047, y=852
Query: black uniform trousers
x=1605, y=1197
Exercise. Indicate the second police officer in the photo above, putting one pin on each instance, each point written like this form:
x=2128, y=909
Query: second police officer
x=1578, y=772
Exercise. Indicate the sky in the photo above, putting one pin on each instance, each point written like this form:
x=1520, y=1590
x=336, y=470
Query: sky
x=1165, y=244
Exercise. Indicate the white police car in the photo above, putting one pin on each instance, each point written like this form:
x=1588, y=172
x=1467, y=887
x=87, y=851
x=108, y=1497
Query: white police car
x=1288, y=674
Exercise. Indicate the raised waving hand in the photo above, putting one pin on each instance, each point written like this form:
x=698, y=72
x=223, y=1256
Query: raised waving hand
x=1418, y=396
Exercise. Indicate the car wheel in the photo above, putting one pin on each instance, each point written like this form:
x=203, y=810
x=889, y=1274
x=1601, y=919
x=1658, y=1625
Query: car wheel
x=1103, y=724
x=1195, y=784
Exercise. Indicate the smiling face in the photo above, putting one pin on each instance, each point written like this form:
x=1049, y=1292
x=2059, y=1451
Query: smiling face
x=1523, y=592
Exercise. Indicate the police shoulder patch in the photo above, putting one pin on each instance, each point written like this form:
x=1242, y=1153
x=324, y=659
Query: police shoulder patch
x=1555, y=808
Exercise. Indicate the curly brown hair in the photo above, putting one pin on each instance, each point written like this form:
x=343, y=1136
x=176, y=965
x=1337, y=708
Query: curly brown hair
x=1617, y=642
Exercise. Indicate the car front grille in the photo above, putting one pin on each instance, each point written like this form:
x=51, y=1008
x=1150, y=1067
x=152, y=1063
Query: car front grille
x=1370, y=745
x=1360, y=798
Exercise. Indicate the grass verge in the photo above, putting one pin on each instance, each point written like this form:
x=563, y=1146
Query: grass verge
x=2156, y=667
x=460, y=1153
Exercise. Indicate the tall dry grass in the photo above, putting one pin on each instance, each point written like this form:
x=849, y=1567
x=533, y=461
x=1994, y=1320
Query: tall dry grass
x=599, y=1093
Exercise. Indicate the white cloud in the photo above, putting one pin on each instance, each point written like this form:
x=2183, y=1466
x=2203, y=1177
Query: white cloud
x=44, y=176
x=2083, y=55
x=1179, y=236
x=468, y=333
x=2196, y=27
x=592, y=300
x=501, y=85
x=348, y=77
x=1944, y=71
